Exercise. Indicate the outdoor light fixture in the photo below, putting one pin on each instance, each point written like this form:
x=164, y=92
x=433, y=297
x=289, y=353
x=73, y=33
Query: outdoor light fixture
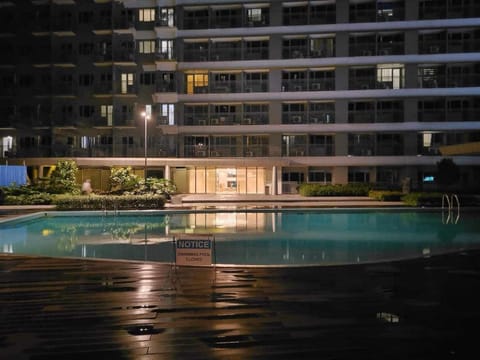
x=146, y=117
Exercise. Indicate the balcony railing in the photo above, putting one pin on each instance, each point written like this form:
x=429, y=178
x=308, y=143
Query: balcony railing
x=321, y=117
x=294, y=118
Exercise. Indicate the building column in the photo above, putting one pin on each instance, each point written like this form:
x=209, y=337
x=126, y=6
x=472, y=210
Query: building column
x=273, y=190
x=167, y=174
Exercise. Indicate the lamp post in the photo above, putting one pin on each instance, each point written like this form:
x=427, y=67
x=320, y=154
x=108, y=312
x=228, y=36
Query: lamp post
x=146, y=117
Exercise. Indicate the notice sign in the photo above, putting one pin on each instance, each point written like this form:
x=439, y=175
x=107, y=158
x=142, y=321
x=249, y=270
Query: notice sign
x=194, y=252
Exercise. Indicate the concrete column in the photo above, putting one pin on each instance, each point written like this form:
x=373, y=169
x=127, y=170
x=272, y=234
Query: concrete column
x=410, y=144
x=411, y=42
x=340, y=175
x=341, y=78
x=341, y=144
x=342, y=11
x=275, y=145
x=411, y=78
x=273, y=189
x=411, y=10
x=167, y=174
x=278, y=182
x=410, y=110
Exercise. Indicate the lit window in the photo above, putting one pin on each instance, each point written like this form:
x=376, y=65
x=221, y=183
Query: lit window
x=146, y=15
x=167, y=114
x=106, y=112
x=146, y=46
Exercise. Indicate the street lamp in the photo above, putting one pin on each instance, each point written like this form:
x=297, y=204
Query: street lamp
x=146, y=117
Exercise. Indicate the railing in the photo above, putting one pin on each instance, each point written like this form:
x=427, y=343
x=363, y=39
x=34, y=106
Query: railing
x=451, y=204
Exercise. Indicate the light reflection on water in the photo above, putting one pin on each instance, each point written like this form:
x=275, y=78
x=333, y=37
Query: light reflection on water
x=248, y=238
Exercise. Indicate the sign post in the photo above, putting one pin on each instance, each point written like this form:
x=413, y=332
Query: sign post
x=194, y=252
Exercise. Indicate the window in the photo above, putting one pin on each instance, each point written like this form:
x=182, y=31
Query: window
x=85, y=79
x=146, y=15
x=126, y=82
x=166, y=114
x=358, y=176
x=257, y=16
x=167, y=17
x=197, y=83
x=127, y=140
x=292, y=176
x=165, y=49
x=85, y=48
x=106, y=112
x=390, y=76
x=319, y=175
x=147, y=78
x=86, y=110
x=85, y=17
x=146, y=46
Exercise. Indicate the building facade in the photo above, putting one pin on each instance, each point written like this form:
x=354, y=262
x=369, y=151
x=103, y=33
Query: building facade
x=243, y=96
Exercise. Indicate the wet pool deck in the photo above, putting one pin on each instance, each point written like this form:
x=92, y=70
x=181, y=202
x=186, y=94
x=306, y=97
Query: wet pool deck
x=88, y=309
x=92, y=309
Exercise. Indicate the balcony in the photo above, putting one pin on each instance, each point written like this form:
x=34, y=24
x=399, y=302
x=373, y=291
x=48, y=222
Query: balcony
x=233, y=20
x=224, y=119
x=194, y=21
x=223, y=87
x=255, y=86
x=294, y=118
x=321, y=150
x=321, y=117
x=103, y=88
x=224, y=151
x=124, y=56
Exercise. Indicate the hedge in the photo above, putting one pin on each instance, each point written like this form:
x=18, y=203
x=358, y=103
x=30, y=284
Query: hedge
x=385, y=195
x=109, y=202
x=307, y=189
x=423, y=199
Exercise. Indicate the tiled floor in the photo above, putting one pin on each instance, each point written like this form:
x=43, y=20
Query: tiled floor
x=83, y=309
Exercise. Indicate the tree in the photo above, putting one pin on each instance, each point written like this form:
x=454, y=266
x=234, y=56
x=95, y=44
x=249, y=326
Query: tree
x=64, y=178
x=448, y=173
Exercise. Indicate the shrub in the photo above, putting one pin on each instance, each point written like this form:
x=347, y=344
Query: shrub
x=423, y=199
x=123, y=179
x=154, y=186
x=385, y=195
x=307, y=189
x=109, y=202
x=26, y=195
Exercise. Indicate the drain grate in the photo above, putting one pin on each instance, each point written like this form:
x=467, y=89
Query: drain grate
x=144, y=329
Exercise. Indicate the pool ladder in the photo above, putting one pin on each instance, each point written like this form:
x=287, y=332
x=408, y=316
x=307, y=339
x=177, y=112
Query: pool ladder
x=450, y=205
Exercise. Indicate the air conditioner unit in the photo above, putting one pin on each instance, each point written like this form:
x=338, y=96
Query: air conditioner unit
x=316, y=86
x=296, y=119
x=434, y=49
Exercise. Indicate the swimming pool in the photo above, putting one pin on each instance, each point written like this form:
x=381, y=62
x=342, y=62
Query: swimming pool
x=256, y=237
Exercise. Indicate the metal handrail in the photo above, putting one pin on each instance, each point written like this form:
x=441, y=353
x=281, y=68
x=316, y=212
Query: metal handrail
x=450, y=202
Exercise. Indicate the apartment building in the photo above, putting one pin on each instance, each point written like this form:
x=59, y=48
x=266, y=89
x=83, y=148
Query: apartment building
x=243, y=96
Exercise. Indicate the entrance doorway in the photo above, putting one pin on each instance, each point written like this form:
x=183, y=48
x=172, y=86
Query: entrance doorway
x=226, y=181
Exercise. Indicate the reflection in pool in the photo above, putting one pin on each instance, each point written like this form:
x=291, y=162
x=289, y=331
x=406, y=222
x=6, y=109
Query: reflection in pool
x=287, y=237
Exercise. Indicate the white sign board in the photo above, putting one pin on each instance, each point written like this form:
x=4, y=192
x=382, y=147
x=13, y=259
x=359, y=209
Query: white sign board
x=193, y=252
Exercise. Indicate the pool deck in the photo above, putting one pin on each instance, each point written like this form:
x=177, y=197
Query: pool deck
x=229, y=201
x=54, y=309
x=89, y=309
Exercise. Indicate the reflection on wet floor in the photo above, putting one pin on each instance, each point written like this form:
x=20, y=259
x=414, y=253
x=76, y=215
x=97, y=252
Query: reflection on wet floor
x=71, y=309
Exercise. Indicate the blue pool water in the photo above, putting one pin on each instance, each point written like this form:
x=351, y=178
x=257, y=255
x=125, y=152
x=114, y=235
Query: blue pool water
x=288, y=237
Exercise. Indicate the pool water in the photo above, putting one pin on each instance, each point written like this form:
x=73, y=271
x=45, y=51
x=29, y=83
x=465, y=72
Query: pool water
x=280, y=238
